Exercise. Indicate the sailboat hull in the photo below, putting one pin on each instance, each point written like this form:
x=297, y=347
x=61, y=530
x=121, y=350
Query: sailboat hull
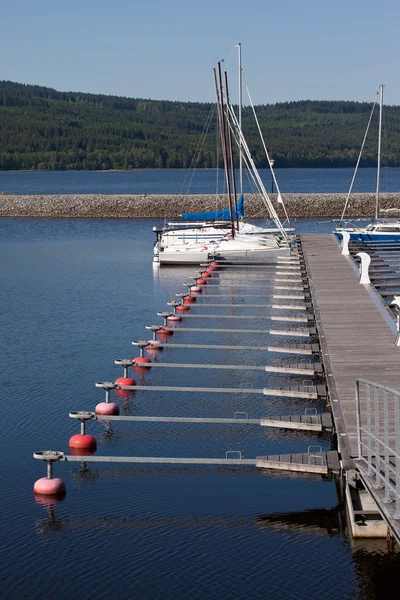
x=362, y=236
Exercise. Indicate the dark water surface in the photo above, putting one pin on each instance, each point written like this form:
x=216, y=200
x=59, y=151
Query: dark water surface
x=202, y=181
x=74, y=294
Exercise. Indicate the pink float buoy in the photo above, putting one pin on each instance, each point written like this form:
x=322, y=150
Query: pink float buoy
x=196, y=289
x=153, y=347
x=173, y=318
x=49, y=487
x=107, y=408
x=48, y=499
x=83, y=442
x=165, y=331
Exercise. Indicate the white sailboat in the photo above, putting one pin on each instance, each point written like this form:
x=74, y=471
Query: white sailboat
x=180, y=242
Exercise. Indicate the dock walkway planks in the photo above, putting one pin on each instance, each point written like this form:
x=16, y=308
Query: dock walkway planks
x=318, y=462
x=355, y=339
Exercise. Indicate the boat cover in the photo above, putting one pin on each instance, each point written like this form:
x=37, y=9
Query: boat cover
x=216, y=215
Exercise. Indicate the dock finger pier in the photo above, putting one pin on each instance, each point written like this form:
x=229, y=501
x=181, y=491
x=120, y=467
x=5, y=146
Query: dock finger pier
x=321, y=328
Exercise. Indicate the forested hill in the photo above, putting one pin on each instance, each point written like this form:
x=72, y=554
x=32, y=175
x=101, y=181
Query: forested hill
x=41, y=128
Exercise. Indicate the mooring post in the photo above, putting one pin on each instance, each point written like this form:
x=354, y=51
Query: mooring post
x=107, y=386
x=154, y=329
x=396, y=303
x=125, y=363
x=345, y=243
x=141, y=344
x=174, y=304
x=165, y=316
x=364, y=267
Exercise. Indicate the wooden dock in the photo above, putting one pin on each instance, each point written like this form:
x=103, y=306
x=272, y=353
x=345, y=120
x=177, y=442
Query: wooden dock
x=314, y=462
x=310, y=462
x=308, y=421
x=354, y=333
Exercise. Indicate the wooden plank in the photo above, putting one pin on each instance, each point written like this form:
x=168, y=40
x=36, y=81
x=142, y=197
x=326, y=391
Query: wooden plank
x=356, y=340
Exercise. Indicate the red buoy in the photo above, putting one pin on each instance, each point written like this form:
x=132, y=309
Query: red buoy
x=213, y=263
x=49, y=487
x=81, y=451
x=189, y=300
x=201, y=281
x=182, y=308
x=205, y=274
x=125, y=381
x=79, y=441
x=141, y=359
x=211, y=269
x=173, y=318
x=107, y=408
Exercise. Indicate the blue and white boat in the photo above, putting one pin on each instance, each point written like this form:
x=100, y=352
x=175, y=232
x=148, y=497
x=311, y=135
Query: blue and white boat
x=381, y=231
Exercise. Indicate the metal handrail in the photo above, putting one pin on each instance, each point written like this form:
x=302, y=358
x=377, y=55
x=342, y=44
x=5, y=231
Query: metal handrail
x=378, y=421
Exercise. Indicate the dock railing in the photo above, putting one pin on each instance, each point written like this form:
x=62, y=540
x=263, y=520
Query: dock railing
x=378, y=430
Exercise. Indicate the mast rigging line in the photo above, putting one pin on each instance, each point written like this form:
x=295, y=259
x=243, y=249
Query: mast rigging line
x=200, y=146
x=280, y=199
x=359, y=156
x=378, y=176
x=264, y=195
x=249, y=170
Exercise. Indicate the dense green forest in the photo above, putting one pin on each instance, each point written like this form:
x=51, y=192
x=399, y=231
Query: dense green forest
x=49, y=130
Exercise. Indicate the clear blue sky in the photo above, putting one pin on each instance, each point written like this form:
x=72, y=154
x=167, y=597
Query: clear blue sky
x=291, y=49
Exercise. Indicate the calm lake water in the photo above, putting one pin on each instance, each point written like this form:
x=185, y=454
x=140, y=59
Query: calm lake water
x=74, y=294
x=202, y=181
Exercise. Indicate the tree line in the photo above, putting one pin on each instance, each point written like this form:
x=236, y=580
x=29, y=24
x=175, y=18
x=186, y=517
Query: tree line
x=43, y=129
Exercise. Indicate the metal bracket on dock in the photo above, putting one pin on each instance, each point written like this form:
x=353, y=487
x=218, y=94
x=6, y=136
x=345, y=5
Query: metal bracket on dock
x=241, y=412
x=315, y=455
x=237, y=454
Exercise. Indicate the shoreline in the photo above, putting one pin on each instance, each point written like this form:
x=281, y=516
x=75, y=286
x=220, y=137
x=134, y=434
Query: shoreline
x=152, y=206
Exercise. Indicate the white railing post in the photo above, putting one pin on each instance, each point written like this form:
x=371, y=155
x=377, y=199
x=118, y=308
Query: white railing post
x=396, y=303
x=345, y=243
x=364, y=267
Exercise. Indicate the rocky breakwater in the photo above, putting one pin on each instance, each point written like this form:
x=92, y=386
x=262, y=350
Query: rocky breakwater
x=160, y=206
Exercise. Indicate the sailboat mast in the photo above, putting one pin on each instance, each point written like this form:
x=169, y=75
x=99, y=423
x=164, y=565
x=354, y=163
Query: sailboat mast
x=378, y=177
x=225, y=148
x=230, y=155
x=240, y=102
